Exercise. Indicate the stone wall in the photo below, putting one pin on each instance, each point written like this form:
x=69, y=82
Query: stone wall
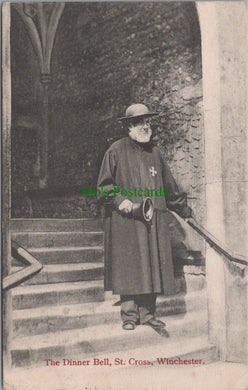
x=107, y=56
x=224, y=27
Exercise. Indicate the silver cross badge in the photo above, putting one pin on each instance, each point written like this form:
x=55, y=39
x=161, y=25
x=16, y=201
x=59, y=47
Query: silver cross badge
x=153, y=171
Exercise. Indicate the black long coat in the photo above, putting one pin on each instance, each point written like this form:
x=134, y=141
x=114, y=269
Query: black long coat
x=138, y=258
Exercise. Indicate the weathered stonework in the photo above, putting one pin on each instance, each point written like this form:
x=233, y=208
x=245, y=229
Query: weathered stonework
x=107, y=56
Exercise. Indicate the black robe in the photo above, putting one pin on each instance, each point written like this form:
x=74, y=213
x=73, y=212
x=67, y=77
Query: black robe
x=137, y=256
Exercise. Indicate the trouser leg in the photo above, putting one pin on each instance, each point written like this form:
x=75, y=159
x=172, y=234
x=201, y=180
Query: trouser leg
x=129, y=309
x=147, y=305
x=138, y=308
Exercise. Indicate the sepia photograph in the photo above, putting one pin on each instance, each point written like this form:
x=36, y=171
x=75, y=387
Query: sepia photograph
x=124, y=195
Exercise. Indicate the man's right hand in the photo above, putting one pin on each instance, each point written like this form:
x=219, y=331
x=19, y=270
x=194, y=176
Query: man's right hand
x=126, y=206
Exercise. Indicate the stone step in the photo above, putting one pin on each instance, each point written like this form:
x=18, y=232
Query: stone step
x=189, y=282
x=56, y=318
x=187, y=257
x=74, y=254
x=56, y=225
x=25, y=297
x=62, y=273
x=68, y=254
x=196, y=269
x=31, y=350
x=196, y=348
x=57, y=239
x=59, y=273
x=182, y=303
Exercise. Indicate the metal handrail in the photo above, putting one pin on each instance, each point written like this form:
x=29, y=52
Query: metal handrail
x=216, y=244
x=18, y=277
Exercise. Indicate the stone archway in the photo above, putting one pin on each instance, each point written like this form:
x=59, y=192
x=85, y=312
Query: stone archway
x=41, y=22
x=100, y=63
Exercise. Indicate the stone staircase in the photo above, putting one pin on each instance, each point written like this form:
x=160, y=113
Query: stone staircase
x=63, y=312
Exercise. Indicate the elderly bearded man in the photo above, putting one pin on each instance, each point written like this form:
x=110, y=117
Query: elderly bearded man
x=138, y=261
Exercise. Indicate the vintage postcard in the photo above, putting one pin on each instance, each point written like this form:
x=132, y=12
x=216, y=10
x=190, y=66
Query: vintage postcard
x=124, y=195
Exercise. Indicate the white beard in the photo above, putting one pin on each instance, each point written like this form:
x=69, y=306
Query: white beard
x=136, y=136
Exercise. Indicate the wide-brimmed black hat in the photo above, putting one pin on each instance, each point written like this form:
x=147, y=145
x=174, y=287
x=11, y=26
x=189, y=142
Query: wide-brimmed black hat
x=137, y=111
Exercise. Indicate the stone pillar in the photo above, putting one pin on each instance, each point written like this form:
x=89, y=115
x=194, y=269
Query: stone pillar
x=233, y=53
x=45, y=81
x=6, y=150
x=224, y=31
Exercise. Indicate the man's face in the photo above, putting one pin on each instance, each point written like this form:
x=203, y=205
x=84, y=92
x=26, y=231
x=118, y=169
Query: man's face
x=140, y=130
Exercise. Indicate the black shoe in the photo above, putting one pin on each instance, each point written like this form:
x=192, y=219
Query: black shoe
x=128, y=325
x=154, y=323
x=162, y=332
x=158, y=326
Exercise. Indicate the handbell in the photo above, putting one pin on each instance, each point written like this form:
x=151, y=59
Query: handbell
x=143, y=211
